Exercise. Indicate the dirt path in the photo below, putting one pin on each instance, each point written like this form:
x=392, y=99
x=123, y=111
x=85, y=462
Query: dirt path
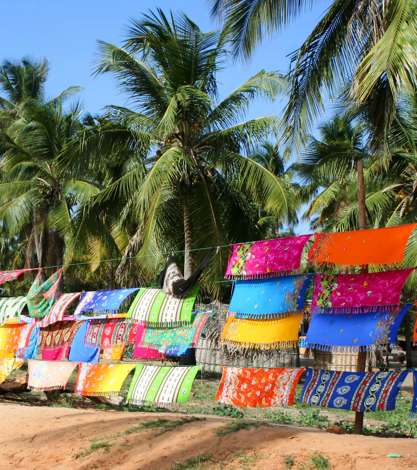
x=39, y=438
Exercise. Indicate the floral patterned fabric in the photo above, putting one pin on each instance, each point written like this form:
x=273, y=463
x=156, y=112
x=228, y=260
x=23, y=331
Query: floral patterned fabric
x=101, y=379
x=269, y=298
x=357, y=293
x=249, y=387
x=266, y=258
x=110, y=332
x=356, y=391
x=99, y=304
x=49, y=375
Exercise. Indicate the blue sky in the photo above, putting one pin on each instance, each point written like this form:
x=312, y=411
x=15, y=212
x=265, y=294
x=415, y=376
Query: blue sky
x=66, y=33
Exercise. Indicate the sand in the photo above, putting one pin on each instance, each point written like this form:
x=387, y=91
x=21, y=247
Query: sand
x=41, y=437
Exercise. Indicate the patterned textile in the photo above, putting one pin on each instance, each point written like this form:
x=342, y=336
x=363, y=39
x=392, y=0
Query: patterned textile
x=9, y=339
x=249, y=387
x=42, y=294
x=356, y=391
x=147, y=354
x=99, y=304
x=55, y=340
x=101, y=379
x=49, y=375
x=352, y=333
x=269, y=298
x=28, y=340
x=358, y=293
x=414, y=402
x=266, y=258
x=161, y=385
x=59, y=310
x=112, y=353
x=262, y=334
x=174, y=341
x=6, y=276
x=80, y=352
x=11, y=308
x=361, y=247
x=156, y=308
x=7, y=366
x=106, y=333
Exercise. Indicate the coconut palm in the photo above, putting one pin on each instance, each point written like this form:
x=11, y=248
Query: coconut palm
x=200, y=175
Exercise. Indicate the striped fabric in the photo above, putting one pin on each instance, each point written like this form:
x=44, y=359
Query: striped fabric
x=161, y=385
x=157, y=308
x=11, y=307
x=60, y=308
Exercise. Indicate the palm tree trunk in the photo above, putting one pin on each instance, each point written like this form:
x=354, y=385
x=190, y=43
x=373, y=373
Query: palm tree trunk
x=188, y=241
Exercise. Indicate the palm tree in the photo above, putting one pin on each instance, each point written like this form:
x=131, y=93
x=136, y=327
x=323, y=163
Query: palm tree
x=200, y=174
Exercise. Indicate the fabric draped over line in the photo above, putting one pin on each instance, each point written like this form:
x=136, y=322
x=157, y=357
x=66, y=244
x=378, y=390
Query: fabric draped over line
x=251, y=387
x=81, y=352
x=29, y=340
x=101, y=379
x=281, y=333
x=9, y=339
x=173, y=342
x=354, y=333
x=11, y=308
x=356, y=391
x=361, y=247
x=269, y=298
x=358, y=293
x=55, y=340
x=6, y=276
x=161, y=385
x=266, y=258
x=49, y=375
x=7, y=366
x=59, y=310
x=99, y=304
x=156, y=308
x=110, y=332
x=42, y=294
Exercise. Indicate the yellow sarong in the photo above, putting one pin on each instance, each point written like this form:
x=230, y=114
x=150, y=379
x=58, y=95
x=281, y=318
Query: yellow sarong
x=9, y=339
x=7, y=366
x=101, y=379
x=281, y=333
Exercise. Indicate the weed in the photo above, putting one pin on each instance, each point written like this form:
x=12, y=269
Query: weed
x=312, y=417
x=236, y=426
x=165, y=425
x=95, y=445
x=193, y=463
x=289, y=461
x=227, y=410
x=320, y=462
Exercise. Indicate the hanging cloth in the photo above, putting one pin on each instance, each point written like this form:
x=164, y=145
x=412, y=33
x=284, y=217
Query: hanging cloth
x=42, y=294
x=81, y=352
x=59, y=310
x=11, y=308
x=101, y=303
x=49, y=375
x=6, y=276
x=55, y=340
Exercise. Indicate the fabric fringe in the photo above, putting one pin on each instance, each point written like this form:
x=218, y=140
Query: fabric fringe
x=163, y=325
x=283, y=345
x=252, y=277
x=100, y=394
x=48, y=389
x=263, y=316
x=357, y=310
x=149, y=403
x=344, y=349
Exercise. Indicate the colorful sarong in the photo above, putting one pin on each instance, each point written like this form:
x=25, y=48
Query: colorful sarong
x=6, y=276
x=11, y=308
x=49, y=375
x=414, y=402
x=42, y=294
x=356, y=391
x=358, y=293
x=29, y=340
x=99, y=304
x=55, y=340
x=81, y=352
x=101, y=379
x=269, y=298
x=353, y=333
x=156, y=308
x=147, y=354
x=7, y=366
x=9, y=339
x=361, y=247
x=250, y=387
x=174, y=341
x=112, y=353
x=266, y=258
x=161, y=385
x=59, y=310
x=262, y=334
x=108, y=332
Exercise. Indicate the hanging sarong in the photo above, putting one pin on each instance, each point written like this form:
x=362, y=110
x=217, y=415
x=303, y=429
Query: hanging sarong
x=269, y=298
x=9, y=339
x=174, y=341
x=99, y=304
x=161, y=385
x=7, y=366
x=112, y=353
x=101, y=379
x=358, y=293
x=81, y=352
x=414, y=402
x=28, y=340
x=6, y=276
x=108, y=332
x=250, y=387
x=42, y=294
x=262, y=334
x=11, y=308
x=59, y=311
x=361, y=247
x=55, y=340
x=356, y=391
x=354, y=333
x=49, y=375
x=266, y=258
x=155, y=308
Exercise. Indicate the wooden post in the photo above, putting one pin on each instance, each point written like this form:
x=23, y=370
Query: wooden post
x=361, y=364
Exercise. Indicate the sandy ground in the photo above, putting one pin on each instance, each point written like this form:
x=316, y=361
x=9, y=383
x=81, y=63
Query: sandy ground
x=36, y=437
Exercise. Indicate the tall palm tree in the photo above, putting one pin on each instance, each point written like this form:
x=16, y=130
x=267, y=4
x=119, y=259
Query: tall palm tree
x=168, y=67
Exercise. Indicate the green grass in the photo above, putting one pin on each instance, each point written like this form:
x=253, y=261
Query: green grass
x=320, y=462
x=289, y=461
x=193, y=463
x=95, y=445
x=164, y=425
x=235, y=426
